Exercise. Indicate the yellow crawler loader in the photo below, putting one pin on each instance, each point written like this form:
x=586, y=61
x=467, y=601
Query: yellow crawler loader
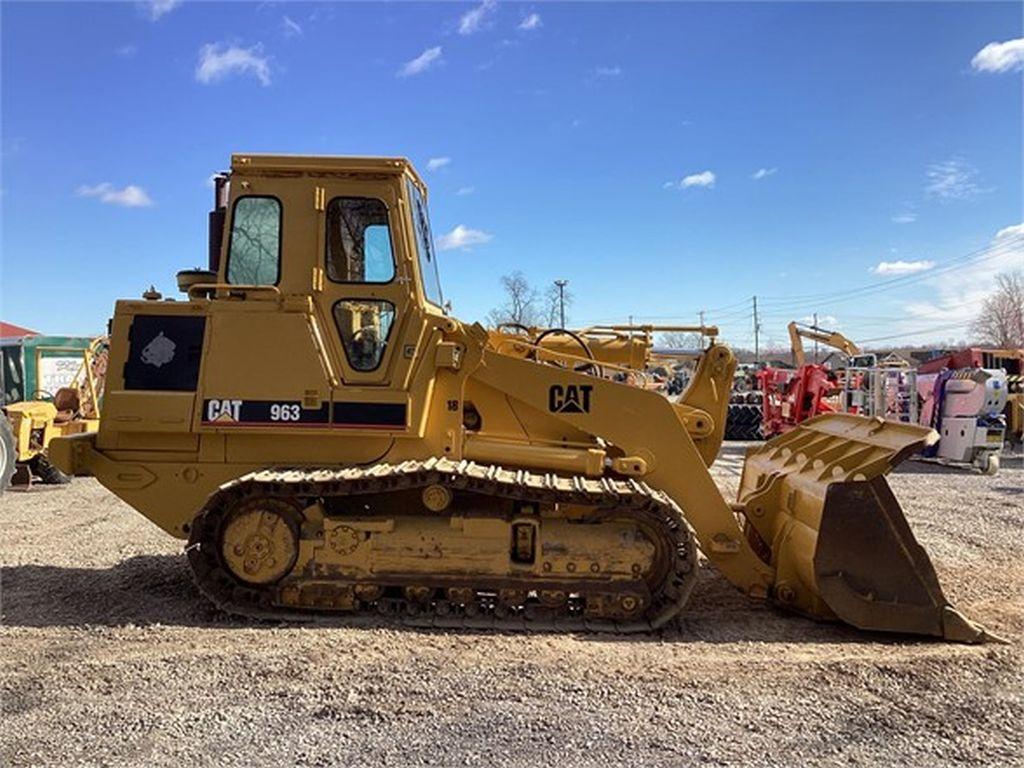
x=328, y=439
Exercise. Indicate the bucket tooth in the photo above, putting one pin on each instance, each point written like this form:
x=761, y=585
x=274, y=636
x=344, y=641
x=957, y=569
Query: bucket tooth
x=835, y=533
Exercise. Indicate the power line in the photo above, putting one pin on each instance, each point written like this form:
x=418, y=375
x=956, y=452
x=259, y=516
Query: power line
x=946, y=266
x=743, y=313
x=783, y=307
x=950, y=265
x=714, y=310
x=933, y=329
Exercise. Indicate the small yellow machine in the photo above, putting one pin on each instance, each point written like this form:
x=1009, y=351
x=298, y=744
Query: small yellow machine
x=328, y=439
x=28, y=427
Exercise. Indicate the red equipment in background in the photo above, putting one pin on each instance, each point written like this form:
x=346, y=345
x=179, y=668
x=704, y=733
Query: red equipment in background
x=1010, y=360
x=791, y=397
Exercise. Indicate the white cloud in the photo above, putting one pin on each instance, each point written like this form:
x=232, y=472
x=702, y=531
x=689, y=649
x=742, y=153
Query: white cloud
x=954, y=179
x=473, y=20
x=1007, y=233
x=436, y=163
x=130, y=196
x=463, y=191
x=956, y=295
x=127, y=51
x=702, y=179
x=902, y=267
x=429, y=58
x=830, y=322
x=531, y=22
x=159, y=8
x=1000, y=57
x=907, y=217
x=608, y=71
x=762, y=173
x=462, y=238
x=220, y=60
x=290, y=27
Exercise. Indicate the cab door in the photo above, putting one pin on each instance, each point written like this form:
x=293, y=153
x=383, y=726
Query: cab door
x=366, y=302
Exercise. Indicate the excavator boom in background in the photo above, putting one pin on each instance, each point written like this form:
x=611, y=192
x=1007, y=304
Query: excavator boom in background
x=833, y=339
x=328, y=439
x=790, y=397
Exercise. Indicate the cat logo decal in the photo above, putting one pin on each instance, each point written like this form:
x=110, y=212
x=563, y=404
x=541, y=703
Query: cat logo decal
x=569, y=398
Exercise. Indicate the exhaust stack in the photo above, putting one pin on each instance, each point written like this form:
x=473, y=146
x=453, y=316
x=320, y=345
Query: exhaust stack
x=221, y=184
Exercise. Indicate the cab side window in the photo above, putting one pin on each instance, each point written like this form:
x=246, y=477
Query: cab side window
x=364, y=325
x=425, y=247
x=254, y=252
x=359, y=241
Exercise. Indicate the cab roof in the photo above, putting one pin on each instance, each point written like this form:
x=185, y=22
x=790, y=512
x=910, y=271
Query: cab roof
x=242, y=163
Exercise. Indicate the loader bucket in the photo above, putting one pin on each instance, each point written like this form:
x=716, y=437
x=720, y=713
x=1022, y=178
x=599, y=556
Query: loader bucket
x=818, y=508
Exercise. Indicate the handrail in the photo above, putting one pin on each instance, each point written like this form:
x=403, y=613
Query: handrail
x=706, y=330
x=321, y=349
x=569, y=357
x=194, y=291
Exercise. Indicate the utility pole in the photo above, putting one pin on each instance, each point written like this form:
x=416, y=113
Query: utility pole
x=702, y=329
x=815, y=339
x=757, y=337
x=561, y=300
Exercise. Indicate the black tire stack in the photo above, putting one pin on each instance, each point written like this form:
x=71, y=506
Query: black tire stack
x=744, y=419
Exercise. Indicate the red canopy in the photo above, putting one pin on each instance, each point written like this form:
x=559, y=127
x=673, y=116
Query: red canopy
x=11, y=331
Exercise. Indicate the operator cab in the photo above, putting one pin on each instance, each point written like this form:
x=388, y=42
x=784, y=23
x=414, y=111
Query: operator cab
x=354, y=233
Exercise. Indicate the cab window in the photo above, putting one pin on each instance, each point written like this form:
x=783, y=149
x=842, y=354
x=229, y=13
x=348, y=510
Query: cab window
x=425, y=247
x=359, y=241
x=254, y=252
x=364, y=326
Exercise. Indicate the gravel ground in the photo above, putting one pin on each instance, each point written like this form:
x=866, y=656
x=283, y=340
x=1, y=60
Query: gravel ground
x=109, y=657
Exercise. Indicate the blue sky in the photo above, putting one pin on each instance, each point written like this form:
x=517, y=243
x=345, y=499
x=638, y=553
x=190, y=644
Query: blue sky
x=664, y=158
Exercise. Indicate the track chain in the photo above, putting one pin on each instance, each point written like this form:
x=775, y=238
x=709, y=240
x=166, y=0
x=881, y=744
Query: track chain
x=623, y=497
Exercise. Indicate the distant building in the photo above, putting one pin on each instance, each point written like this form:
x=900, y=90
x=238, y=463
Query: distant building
x=34, y=366
x=12, y=331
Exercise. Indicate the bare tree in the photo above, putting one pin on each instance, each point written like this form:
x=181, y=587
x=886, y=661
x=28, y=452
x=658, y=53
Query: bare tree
x=1001, y=320
x=553, y=307
x=678, y=340
x=520, y=305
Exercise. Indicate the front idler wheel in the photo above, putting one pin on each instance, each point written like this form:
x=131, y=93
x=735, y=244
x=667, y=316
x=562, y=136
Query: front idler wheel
x=259, y=542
